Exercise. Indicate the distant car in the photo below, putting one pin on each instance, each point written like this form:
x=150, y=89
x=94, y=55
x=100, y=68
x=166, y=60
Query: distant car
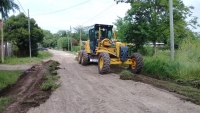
x=42, y=49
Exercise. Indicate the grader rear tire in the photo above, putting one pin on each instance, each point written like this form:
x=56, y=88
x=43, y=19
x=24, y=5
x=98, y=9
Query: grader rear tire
x=79, y=56
x=104, y=63
x=84, y=58
x=137, y=63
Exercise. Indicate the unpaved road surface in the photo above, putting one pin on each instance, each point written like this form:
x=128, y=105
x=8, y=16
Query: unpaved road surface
x=83, y=90
x=15, y=67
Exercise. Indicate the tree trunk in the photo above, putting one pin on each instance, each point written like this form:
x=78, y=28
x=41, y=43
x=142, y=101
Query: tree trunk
x=154, y=46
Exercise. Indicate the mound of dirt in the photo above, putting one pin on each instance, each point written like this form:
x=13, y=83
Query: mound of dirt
x=26, y=91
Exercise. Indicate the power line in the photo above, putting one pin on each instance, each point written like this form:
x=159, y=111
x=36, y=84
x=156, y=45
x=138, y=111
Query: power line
x=63, y=9
x=99, y=13
x=22, y=7
x=104, y=14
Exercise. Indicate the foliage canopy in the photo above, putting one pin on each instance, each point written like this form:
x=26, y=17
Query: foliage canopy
x=16, y=31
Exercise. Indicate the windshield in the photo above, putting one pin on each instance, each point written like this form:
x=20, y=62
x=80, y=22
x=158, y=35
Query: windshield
x=105, y=33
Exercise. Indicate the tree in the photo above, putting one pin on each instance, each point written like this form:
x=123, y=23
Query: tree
x=62, y=33
x=84, y=33
x=49, y=40
x=129, y=32
x=63, y=43
x=16, y=31
x=149, y=19
x=6, y=6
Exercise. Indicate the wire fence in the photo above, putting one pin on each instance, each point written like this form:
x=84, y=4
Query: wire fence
x=8, y=52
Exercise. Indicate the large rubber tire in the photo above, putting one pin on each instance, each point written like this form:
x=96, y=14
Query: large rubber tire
x=84, y=58
x=79, y=56
x=137, y=63
x=104, y=63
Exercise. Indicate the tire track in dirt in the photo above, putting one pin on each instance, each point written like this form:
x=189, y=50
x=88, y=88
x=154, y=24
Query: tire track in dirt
x=83, y=90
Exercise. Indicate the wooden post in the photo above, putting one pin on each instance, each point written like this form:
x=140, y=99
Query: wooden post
x=80, y=40
x=29, y=32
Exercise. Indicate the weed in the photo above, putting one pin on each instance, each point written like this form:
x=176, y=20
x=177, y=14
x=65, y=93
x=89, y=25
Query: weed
x=54, y=72
x=51, y=68
x=55, y=77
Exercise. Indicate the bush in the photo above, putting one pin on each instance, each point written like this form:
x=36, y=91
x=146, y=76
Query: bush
x=77, y=48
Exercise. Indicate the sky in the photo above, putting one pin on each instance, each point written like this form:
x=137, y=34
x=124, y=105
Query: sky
x=54, y=15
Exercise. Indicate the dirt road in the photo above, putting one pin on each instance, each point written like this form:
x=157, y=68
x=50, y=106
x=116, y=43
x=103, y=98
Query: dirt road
x=83, y=90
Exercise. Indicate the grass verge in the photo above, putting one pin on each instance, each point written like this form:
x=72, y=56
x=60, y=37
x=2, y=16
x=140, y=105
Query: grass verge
x=3, y=102
x=184, y=72
x=26, y=60
x=8, y=77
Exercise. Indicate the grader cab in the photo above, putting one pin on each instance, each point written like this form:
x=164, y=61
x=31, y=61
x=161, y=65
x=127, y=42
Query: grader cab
x=103, y=48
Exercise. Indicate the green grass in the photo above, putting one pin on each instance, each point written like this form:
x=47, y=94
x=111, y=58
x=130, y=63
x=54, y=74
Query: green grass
x=126, y=75
x=185, y=69
x=3, y=102
x=26, y=60
x=8, y=77
x=49, y=83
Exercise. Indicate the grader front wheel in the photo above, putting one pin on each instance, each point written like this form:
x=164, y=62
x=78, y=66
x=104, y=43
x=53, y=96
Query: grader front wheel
x=104, y=63
x=84, y=58
x=79, y=56
x=137, y=63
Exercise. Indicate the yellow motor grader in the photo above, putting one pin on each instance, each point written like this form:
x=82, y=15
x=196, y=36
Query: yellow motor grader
x=103, y=48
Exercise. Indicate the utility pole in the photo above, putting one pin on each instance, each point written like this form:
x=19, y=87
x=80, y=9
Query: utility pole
x=68, y=40
x=171, y=29
x=80, y=40
x=2, y=43
x=71, y=37
x=29, y=35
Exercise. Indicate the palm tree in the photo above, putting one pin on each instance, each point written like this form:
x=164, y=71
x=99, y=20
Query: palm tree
x=6, y=6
